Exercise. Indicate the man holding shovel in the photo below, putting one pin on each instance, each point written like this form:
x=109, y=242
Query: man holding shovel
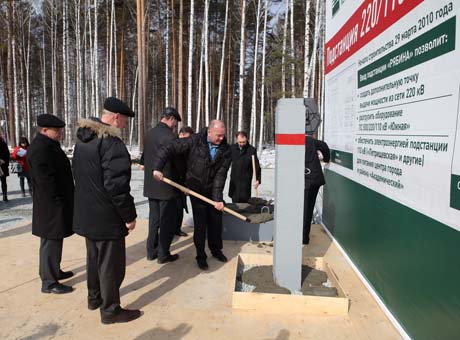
x=208, y=160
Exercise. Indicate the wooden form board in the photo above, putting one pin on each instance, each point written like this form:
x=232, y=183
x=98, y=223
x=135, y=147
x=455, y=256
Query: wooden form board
x=284, y=303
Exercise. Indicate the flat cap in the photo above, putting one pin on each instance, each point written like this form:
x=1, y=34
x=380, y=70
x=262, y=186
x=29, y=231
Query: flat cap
x=115, y=105
x=47, y=120
x=171, y=112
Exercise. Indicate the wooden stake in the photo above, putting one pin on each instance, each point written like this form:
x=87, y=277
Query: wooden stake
x=203, y=198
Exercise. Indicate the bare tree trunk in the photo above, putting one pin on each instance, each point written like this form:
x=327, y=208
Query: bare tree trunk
x=15, y=90
x=44, y=70
x=315, y=48
x=65, y=59
x=96, y=61
x=283, y=58
x=78, y=58
x=292, y=52
x=173, y=59
x=306, y=74
x=262, y=89
x=242, y=63
x=252, y=136
x=221, y=73
x=111, y=38
x=206, y=61
x=141, y=76
x=190, y=64
x=11, y=112
x=180, y=93
x=200, y=84
x=167, y=59
x=27, y=65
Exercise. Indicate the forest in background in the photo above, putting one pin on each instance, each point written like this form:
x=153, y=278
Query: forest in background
x=230, y=60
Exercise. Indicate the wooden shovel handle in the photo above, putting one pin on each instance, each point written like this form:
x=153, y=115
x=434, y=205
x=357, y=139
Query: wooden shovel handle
x=203, y=198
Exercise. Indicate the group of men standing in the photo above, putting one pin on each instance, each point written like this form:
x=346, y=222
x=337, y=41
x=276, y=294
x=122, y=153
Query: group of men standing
x=91, y=197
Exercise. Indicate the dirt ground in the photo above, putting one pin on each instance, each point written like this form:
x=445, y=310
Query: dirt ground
x=178, y=300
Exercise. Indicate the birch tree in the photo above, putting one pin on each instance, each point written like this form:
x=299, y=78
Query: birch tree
x=254, y=80
x=283, y=58
x=242, y=63
x=180, y=93
x=262, y=88
x=11, y=109
x=190, y=64
x=167, y=58
x=65, y=59
x=96, y=61
x=206, y=61
x=315, y=48
x=222, y=60
x=200, y=84
x=306, y=69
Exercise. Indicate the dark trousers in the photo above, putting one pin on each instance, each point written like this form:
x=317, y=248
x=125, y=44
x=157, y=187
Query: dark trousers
x=310, y=193
x=4, y=186
x=22, y=177
x=162, y=225
x=207, y=220
x=105, y=270
x=50, y=261
x=181, y=204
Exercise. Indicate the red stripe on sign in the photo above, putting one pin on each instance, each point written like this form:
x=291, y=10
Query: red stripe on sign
x=372, y=18
x=289, y=139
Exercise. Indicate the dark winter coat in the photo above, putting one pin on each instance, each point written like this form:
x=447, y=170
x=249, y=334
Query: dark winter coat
x=242, y=172
x=155, y=139
x=102, y=170
x=205, y=176
x=313, y=171
x=53, y=189
x=5, y=156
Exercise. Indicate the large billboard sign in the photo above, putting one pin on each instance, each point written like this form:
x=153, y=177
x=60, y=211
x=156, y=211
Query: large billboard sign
x=392, y=100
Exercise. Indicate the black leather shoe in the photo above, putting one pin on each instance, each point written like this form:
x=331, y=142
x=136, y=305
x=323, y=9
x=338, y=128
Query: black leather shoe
x=181, y=233
x=220, y=256
x=202, y=264
x=58, y=289
x=65, y=275
x=124, y=315
x=170, y=258
x=94, y=304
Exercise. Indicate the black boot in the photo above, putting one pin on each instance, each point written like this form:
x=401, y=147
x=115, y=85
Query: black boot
x=5, y=198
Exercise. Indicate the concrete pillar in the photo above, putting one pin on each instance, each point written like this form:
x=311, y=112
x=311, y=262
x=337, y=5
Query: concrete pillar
x=289, y=192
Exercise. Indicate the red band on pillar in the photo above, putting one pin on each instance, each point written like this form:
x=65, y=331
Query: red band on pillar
x=290, y=139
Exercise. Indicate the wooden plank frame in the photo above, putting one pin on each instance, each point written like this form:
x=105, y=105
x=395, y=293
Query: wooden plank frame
x=287, y=304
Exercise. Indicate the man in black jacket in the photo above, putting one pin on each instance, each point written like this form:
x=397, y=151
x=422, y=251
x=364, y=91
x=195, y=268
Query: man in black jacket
x=162, y=197
x=208, y=160
x=314, y=179
x=242, y=169
x=104, y=208
x=53, y=190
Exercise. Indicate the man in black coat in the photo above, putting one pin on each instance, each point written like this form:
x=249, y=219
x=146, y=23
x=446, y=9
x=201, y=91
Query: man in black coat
x=185, y=132
x=314, y=179
x=242, y=169
x=162, y=197
x=208, y=160
x=53, y=189
x=4, y=164
x=104, y=208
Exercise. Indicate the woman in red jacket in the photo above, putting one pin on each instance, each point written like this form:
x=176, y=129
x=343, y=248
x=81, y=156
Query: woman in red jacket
x=20, y=154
